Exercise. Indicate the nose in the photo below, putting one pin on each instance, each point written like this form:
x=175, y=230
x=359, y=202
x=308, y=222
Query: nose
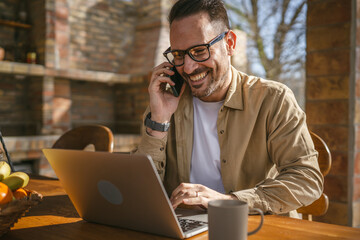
x=189, y=64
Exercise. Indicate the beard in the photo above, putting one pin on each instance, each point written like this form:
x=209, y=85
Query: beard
x=214, y=84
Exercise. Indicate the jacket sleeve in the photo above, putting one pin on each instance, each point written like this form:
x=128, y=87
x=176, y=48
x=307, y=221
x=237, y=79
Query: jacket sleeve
x=155, y=148
x=298, y=181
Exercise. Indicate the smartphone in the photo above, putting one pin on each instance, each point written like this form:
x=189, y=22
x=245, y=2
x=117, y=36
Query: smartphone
x=178, y=80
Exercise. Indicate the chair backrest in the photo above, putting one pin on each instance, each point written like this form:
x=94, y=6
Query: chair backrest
x=320, y=206
x=80, y=137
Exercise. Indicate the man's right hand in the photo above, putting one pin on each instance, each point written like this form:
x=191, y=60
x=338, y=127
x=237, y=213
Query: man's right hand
x=163, y=104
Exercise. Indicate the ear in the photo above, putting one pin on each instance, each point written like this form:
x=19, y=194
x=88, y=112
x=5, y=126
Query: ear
x=230, y=42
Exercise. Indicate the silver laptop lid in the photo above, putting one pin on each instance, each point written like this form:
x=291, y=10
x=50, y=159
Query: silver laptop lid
x=116, y=189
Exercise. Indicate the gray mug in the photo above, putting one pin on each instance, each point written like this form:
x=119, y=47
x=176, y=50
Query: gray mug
x=228, y=219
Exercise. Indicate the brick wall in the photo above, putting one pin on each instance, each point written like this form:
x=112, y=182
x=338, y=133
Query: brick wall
x=15, y=40
x=36, y=11
x=62, y=104
x=126, y=37
x=21, y=105
x=151, y=36
x=92, y=103
x=50, y=40
x=329, y=101
x=107, y=35
x=99, y=34
x=35, y=101
x=131, y=101
x=355, y=166
x=15, y=117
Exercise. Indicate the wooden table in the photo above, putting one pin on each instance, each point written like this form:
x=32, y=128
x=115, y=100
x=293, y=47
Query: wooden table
x=56, y=218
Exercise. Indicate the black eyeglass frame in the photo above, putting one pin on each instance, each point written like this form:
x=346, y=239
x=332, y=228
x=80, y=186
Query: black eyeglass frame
x=187, y=51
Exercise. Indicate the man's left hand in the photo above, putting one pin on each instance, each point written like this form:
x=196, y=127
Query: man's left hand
x=195, y=194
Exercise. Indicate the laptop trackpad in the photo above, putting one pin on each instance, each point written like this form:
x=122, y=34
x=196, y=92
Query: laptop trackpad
x=193, y=214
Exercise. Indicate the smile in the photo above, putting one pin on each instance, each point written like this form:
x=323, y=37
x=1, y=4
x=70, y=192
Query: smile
x=198, y=77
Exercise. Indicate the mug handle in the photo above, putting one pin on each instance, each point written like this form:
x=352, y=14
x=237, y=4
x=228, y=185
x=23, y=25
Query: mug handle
x=261, y=222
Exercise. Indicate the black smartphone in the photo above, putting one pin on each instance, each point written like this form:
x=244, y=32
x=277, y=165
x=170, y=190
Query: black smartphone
x=178, y=80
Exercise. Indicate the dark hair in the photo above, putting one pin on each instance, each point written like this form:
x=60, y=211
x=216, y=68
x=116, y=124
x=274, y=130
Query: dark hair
x=215, y=8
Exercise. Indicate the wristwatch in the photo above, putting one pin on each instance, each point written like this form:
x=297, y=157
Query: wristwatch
x=161, y=127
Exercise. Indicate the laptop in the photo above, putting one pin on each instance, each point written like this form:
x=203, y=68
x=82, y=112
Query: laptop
x=122, y=190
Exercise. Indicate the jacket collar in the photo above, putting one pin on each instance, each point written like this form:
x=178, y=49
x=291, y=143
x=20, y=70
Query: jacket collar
x=234, y=96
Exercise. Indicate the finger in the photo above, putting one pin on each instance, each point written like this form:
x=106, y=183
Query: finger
x=159, y=79
x=161, y=70
x=179, y=199
x=181, y=189
x=176, y=202
x=183, y=196
x=201, y=201
x=187, y=189
x=162, y=65
x=158, y=83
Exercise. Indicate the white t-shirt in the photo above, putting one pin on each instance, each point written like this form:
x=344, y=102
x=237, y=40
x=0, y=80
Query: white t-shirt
x=205, y=161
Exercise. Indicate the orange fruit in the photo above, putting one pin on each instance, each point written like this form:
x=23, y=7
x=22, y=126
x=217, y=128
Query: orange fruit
x=6, y=194
x=20, y=193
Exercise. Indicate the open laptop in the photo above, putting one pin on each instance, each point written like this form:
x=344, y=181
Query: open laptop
x=122, y=190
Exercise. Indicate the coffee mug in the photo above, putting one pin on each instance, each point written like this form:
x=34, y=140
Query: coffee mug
x=228, y=219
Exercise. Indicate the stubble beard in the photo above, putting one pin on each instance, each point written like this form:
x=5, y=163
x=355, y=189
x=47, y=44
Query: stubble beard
x=214, y=85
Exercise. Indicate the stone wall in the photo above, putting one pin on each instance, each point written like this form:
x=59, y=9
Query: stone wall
x=330, y=98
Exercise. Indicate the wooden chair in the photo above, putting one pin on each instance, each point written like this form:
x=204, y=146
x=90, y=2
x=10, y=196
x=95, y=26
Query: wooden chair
x=320, y=206
x=81, y=137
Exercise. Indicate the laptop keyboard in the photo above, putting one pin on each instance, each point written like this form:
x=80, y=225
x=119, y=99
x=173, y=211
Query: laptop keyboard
x=188, y=224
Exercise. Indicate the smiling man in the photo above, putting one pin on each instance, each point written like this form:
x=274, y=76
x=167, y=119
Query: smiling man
x=227, y=132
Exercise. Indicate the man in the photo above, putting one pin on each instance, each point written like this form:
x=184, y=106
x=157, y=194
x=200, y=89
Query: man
x=227, y=129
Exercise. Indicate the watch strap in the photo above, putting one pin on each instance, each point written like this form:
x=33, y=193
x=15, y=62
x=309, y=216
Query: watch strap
x=161, y=127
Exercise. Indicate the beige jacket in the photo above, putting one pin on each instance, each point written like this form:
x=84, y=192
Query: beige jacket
x=259, y=126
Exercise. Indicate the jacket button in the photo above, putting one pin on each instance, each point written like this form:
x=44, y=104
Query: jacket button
x=221, y=131
x=224, y=160
x=162, y=149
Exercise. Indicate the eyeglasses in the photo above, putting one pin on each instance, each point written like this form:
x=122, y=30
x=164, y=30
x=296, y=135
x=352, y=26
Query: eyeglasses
x=198, y=53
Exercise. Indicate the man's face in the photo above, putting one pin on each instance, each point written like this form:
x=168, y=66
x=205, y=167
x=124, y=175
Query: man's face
x=208, y=80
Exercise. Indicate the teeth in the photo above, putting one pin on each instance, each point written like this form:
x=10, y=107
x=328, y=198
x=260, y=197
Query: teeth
x=198, y=77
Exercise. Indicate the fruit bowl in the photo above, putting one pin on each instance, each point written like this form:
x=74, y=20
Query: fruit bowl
x=11, y=212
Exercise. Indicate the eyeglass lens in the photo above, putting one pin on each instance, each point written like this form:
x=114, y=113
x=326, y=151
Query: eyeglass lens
x=198, y=53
